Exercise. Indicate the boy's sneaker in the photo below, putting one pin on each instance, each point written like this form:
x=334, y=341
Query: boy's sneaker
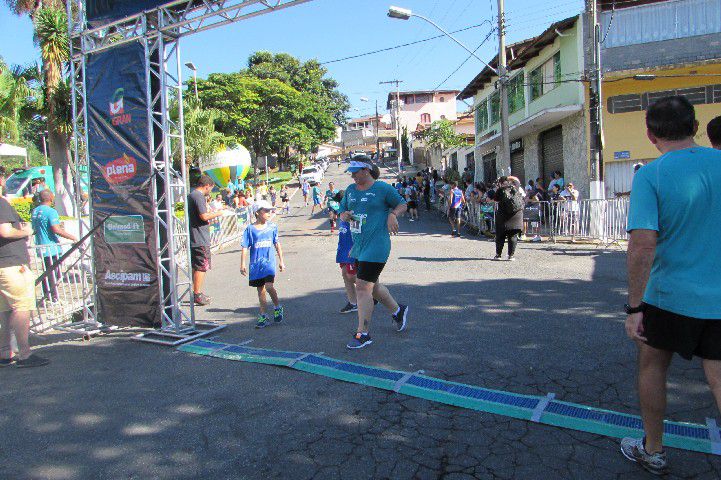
x=262, y=322
x=201, y=299
x=359, y=340
x=401, y=318
x=278, y=313
x=633, y=449
x=349, y=307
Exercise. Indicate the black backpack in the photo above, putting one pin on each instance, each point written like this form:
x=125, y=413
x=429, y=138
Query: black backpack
x=510, y=201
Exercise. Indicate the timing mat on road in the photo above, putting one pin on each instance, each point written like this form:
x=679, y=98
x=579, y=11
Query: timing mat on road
x=547, y=410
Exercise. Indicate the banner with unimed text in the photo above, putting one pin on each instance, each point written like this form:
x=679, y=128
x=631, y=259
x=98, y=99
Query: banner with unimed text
x=126, y=264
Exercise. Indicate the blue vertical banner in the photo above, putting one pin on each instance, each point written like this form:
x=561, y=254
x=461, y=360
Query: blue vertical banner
x=125, y=253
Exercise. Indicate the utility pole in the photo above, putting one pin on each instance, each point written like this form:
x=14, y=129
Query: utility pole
x=398, y=120
x=378, y=140
x=595, y=117
x=505, y=151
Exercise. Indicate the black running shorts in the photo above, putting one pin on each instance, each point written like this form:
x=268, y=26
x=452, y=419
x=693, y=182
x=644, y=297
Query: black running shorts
x=686, y=336
x=260, y=282
x=455, y=213
x=369, y=271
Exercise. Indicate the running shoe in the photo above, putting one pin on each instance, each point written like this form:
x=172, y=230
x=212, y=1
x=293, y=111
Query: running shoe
x=497, y=258
x=278, y=314
x=453, y=233
x=633, y=449
x=511, y=258
x=349, y=307
x=536, y=239
x=32, y=361
x=201, y=299
x=6, y=362
x=401, y=318
x=359, y=340
x=262, y=322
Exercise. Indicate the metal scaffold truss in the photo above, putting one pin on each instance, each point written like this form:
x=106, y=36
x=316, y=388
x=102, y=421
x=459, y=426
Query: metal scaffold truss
x=159, y=31
x=176, y=19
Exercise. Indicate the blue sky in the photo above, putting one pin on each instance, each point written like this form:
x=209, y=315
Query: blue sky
x=331, y=29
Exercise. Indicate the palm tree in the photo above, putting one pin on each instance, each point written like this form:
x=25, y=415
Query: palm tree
x=14, y=92
x=51, y=35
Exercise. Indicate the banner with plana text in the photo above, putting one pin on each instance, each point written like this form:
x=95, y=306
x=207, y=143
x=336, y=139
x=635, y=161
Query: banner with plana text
x=125, y=255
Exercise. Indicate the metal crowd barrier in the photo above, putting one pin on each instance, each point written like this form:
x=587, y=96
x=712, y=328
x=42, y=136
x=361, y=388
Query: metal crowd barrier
x=602, y=221
x=61, y=295
x=64, y=291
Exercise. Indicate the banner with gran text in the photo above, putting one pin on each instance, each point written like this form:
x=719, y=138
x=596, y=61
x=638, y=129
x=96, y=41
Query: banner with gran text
x=126, y=264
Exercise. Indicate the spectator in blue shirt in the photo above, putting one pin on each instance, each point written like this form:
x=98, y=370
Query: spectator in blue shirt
x=674, y=272
x=46, y=224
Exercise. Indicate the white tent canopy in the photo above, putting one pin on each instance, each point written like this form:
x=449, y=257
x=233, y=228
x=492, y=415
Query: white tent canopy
x=7, y=150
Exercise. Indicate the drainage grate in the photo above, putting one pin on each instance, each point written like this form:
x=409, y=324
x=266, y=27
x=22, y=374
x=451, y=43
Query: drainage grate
x=562, y=414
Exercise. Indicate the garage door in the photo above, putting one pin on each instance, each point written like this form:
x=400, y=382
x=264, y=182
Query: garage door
x=551, y=152
x=489, y=168
x=517, y=169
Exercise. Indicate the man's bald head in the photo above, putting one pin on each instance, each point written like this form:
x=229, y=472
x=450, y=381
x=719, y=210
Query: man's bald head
x=46, y=196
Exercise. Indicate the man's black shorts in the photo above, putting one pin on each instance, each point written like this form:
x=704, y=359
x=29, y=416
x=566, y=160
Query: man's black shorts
x=259, y=282
x=200, y=258
x=686, y=336
x=369, y=271
x=455, y=213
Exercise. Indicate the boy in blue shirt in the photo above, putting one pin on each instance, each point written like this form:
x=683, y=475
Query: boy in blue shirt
x=346, y=262
x=317, y=199
x=46, y=223
x=260, y=238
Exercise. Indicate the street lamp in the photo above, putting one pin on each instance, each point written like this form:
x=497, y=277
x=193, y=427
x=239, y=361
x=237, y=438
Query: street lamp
x=405, y=14
x=192, y=68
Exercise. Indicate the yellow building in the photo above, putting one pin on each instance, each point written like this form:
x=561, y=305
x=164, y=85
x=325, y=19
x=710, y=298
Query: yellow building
x=683, y=58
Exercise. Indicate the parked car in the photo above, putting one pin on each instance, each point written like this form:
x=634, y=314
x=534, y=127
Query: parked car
x=312, y=174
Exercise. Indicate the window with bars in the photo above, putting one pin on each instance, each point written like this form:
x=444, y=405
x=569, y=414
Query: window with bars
x=546, y=77
x=482, y=116
x=516, y=98
x=639, y=102
x=425, y=118
x=495, y=103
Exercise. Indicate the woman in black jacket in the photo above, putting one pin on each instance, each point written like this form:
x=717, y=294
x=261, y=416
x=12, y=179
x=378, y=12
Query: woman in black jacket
x=507, y=225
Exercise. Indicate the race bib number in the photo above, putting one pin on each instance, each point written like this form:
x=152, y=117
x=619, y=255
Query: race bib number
x=356, y=223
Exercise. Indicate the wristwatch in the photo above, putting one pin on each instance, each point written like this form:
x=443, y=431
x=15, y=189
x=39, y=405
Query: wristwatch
x=629, y=309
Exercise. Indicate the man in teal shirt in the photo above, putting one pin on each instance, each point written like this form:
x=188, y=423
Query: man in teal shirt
x=46, y=224
x=372, y=208
x=333, y=206
x=674, y=270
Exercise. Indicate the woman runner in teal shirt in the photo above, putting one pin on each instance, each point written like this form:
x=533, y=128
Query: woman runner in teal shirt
x=372, y=208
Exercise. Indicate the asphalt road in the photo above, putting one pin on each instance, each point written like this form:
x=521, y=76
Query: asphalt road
x=111, y=408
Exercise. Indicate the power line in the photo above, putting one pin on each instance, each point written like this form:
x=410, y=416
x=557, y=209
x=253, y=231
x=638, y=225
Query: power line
x=398, y=46
x=466, y=60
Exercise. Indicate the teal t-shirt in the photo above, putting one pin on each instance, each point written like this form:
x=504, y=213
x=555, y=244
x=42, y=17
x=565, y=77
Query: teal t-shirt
x=332, y=204
x=43, y=218
x=679, y=196
x=315, y=192
x=371, y=239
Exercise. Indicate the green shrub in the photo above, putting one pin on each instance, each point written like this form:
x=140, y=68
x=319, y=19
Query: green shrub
x=24, y=207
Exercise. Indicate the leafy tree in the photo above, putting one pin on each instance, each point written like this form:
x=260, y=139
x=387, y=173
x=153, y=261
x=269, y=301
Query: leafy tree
x=307, y=77
x=441, y=134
